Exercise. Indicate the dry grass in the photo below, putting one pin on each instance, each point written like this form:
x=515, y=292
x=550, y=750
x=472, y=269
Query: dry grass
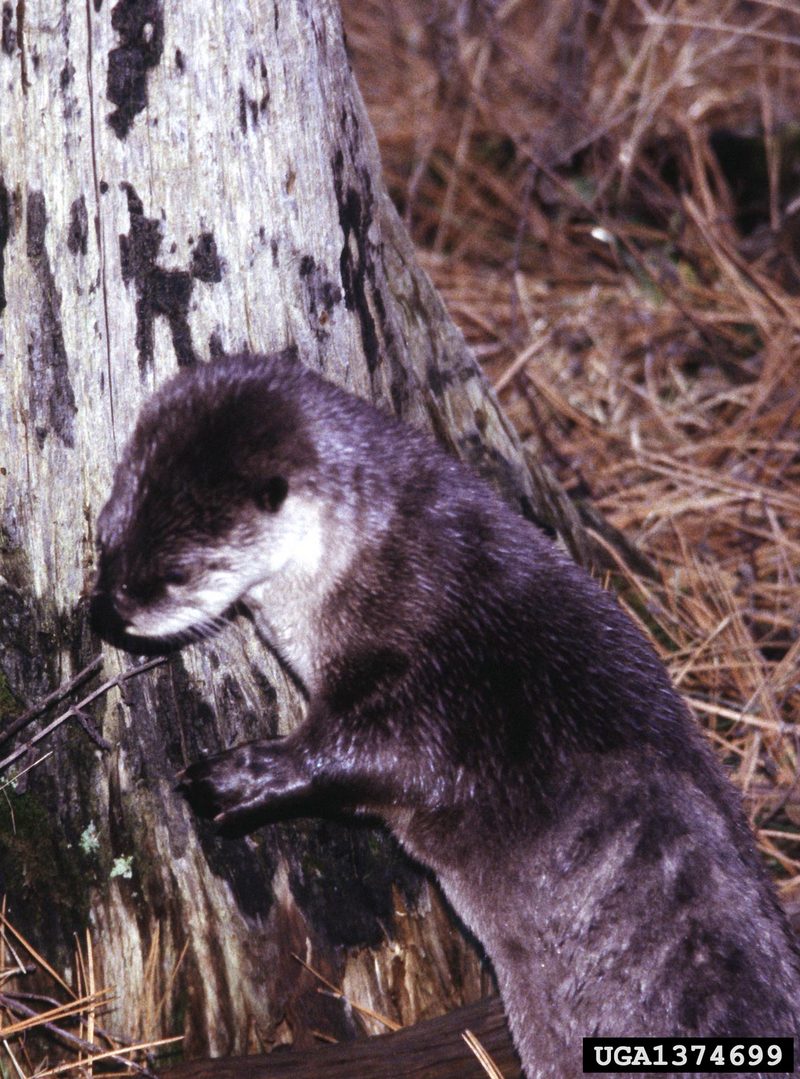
x=39, y=1030
x=610, y=204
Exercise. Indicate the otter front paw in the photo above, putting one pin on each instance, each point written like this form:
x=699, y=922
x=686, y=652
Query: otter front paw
x=212, y=786
x=249, y=784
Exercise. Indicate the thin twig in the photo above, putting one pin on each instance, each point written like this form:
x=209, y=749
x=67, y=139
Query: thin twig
x=41, y=998
x=52, y=698
x=60, y=1011
x=141, y=1046
x=334, y=991
x=32, y=1019
x=117, y=680
x=27, y=768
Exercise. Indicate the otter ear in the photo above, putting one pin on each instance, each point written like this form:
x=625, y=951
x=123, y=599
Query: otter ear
x=271, y=495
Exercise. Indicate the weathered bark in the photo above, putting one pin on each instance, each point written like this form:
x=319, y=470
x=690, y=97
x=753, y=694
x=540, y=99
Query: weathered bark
x=177, y=181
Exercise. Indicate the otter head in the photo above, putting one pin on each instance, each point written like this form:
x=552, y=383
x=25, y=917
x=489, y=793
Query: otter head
x=210, y=499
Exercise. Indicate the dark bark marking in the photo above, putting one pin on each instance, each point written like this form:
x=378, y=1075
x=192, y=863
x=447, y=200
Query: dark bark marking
x=342, y=876
x=78, y=235
x=52, y=399
x=206, y=265
x=21, y=45
x=438, y=379
x=362, y=278
x=38, y=867
x=103, y=187
x=255, y=106
x=185, y=728
x=66, y=76
x=321, y=295
x=140, y=27
x=65, y=23
x=250, y=871
x=242, y=110
x=26, y=623
x=180, y=63
x=216, y=349
x=8, y=36
x=159, y=291
x=495, y=467
x=354, y=221
x=5, y=232
x=97, y=5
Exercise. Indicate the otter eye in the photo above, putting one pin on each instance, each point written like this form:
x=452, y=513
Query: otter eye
x=175, y=576
x=272, y=494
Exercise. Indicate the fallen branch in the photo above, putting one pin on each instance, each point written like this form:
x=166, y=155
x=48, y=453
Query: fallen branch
x=434, y=1048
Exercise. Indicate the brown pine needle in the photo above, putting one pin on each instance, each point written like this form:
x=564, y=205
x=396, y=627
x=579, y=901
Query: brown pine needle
x=29, y=948
x=361, y=1009
x=484, y=1059
x=74, y=1007
x=111, y=1053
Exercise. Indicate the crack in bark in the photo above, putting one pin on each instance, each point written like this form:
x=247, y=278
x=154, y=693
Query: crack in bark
x=23, y=66
x=52, y=399
x=5, y=231
x=99, y=189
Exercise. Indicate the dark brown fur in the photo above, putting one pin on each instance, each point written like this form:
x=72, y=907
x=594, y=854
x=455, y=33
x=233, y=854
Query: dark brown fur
x=472, y=686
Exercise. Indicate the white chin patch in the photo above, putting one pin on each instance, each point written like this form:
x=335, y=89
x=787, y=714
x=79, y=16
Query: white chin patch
x=178, y=614
x=289, y=542
x=167, y=623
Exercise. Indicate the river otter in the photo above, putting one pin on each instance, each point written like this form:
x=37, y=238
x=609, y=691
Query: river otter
x=467, y=683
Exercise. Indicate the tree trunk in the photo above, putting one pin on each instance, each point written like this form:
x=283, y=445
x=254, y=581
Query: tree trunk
x=178, y=181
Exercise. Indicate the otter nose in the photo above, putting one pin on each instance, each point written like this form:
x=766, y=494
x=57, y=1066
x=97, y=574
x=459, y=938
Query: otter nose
x=105, y=618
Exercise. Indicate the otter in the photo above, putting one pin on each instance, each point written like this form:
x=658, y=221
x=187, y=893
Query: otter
x=469, y=685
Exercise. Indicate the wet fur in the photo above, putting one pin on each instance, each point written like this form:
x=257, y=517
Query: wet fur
x=469, y=684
